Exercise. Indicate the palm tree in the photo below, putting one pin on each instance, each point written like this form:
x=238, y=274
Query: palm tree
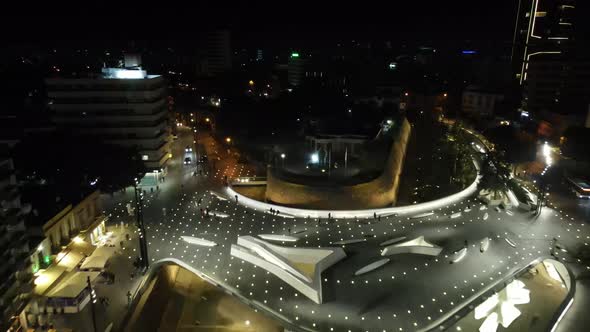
x=460, y=151
x=495, y=176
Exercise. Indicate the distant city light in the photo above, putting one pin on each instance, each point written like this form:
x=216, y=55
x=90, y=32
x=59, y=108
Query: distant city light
x=294, y=55
x=392, y=65
x=251, y=82
x=469, y=52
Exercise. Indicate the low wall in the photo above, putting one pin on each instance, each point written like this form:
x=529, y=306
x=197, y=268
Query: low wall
x=376, y=193
x=429, y=206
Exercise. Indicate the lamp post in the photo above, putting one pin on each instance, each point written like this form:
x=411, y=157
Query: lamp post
x=92, y=302
x=283, y=159
x=143, y=254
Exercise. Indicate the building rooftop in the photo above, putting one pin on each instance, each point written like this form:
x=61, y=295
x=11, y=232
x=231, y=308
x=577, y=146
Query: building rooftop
x=114, y=74
x=48, y=200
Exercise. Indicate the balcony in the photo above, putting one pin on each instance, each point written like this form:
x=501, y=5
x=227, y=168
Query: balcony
x=107, y=97
x=121, y=109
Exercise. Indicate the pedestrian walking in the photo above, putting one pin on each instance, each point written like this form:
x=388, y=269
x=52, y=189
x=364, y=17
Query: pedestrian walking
x=329, y=216
x=379, y=218
x=374, y=215
x=236, y=198
x=129, y=298
x=289, y=230
x=164, y=211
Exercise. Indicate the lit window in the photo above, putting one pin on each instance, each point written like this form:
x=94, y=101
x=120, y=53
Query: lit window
x=145, y=157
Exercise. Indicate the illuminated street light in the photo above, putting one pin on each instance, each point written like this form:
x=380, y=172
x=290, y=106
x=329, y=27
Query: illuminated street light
x=283, y=155
x=251, y=82
x=547, y=154
x=207, y=119
x=445, y=94
x=315, y=158
x=228, y=139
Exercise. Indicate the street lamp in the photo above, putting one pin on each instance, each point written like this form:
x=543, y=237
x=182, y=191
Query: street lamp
x=283, y=159
x=92, y=302
x=228, y=140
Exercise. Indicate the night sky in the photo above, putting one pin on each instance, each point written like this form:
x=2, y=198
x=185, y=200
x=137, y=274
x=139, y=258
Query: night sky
x=266, y=23
x=272, y=21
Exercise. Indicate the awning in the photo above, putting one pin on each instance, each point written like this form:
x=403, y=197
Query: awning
x=47, y=278
x=69, y=260
x=82, y=246
x=99, y=258
x=73, y=286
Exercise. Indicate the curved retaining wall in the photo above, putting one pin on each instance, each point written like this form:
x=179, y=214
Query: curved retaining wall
x=365, y=213
x=376, y=193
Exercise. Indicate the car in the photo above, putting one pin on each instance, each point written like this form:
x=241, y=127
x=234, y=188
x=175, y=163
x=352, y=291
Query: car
x=188, y=149
x=187, y=160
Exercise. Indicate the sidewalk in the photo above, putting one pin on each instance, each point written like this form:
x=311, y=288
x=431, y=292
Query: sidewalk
x=106, y=315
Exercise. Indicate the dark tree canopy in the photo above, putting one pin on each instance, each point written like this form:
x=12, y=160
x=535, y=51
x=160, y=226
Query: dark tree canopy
x=575, y=143
x=515, y=146
x=74, y=162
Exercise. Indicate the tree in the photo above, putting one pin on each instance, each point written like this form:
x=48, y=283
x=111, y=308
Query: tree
x=495, y=176
x=72, y=162
x=517, y=147
x=461, y=153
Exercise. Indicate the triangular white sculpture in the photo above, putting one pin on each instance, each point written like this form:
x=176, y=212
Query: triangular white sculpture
x=299, y=267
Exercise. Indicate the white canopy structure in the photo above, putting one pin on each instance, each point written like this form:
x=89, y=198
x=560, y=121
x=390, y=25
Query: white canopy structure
x=73, y=286
x=301, y=268
x=69, y=260
x=500, y=308
x=98, y=259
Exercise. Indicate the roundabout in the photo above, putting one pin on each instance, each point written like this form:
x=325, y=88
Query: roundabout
x=410, y=292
